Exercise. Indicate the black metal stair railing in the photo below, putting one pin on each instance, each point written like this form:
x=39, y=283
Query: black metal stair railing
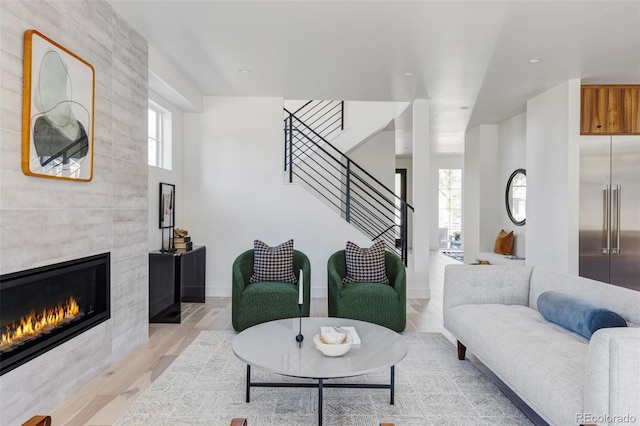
x=361, y=199
x=326, y=118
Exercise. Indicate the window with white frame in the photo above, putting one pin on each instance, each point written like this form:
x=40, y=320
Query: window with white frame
x=159, y=141
x=450, y=208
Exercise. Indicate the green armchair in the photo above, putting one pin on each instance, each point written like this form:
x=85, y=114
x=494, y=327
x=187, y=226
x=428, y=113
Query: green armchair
x=255, y=303
x=382, y=304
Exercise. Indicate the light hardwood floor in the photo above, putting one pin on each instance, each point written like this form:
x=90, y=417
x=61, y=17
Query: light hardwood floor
x=105, y=398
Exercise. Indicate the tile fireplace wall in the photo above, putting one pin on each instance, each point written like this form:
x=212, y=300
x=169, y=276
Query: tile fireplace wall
x=44, y=221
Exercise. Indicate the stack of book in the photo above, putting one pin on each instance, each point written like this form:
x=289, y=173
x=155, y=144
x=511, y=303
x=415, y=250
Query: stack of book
x=182, y=244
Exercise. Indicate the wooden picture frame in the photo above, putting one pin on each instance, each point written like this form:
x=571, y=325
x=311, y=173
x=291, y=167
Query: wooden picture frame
x=167, y=205
x=57, y=111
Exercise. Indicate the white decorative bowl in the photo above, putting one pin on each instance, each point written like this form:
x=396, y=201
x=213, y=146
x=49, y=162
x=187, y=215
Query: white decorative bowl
x=333, y=338
x=329, y=349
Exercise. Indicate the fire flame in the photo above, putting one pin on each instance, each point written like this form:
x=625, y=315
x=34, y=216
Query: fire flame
x=33, y=324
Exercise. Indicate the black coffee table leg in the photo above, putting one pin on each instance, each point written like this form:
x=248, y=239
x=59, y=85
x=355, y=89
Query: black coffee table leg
x=248, y=380
x=319, y=402
x=393, y=382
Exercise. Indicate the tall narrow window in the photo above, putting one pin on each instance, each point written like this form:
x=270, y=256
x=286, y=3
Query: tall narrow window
x=155, y=137
x=450, y=208
x=159, y=136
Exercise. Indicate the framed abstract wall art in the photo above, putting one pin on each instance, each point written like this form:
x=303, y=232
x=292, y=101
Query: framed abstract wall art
x=57, y=111
x=167, y=205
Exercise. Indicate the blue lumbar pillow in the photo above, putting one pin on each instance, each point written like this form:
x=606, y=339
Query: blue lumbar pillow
x=576, y=315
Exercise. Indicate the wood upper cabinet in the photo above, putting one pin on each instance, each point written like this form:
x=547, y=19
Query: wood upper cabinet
x=610, y=109
x=632, y=110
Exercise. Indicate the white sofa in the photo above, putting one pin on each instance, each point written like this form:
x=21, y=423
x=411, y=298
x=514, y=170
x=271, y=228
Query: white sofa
x=565, y=378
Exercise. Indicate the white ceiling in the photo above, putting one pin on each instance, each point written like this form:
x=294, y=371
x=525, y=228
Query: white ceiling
x=463, y=54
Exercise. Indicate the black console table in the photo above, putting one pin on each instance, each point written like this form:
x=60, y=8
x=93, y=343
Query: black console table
x=175, y=278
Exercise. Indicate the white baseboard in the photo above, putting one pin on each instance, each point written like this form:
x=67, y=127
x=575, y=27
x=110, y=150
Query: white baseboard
x=225, y=291
x=218, y=291
x=419, y=293
x=316, y=292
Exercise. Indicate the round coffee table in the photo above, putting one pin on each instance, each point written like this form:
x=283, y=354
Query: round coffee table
x=272, y=346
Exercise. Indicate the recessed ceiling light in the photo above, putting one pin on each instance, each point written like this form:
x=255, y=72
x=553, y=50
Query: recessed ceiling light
x=409, y=73
x=535, y=60
x=243, y=71
x=464, y=108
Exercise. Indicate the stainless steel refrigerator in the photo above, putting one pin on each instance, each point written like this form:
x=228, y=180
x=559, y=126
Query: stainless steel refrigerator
x=610, y=209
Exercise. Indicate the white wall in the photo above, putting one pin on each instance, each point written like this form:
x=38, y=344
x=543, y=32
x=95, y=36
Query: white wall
x=363, y=119
x=62, y=220
x=492, y=153
x=480, y=196
x=471, y=196
x=377, y=156
x=292, y=105
x=170, y=83
x=573, y=173
x=512, y=154
x=172, y=176
x=419, y=265
x=544, y=141
x=235, y=191
x=170, y=89
x=552, y=178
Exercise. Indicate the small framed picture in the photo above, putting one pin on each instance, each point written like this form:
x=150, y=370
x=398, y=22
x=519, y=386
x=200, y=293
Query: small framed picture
x=57, y=116
x=167, y=205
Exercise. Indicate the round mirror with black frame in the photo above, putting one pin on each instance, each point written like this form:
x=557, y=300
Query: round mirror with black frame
x=516, y=197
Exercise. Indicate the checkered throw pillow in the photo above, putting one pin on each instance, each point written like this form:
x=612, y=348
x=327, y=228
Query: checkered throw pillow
x=273, y=263
x=365, y=265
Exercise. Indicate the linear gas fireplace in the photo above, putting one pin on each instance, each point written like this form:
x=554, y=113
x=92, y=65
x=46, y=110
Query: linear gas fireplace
x=44, y=307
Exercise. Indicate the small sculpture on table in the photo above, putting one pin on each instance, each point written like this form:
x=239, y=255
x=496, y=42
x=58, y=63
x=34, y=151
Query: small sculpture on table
x=300, y=337
x=181, y=242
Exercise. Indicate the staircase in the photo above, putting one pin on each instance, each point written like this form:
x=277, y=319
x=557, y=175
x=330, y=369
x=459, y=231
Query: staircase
x=361, y=199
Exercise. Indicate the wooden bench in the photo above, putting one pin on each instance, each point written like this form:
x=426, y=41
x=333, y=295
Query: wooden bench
x=498, y=259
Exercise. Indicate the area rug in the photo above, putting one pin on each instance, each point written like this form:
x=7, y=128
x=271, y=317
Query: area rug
x=457, y=255
x=205, y=385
